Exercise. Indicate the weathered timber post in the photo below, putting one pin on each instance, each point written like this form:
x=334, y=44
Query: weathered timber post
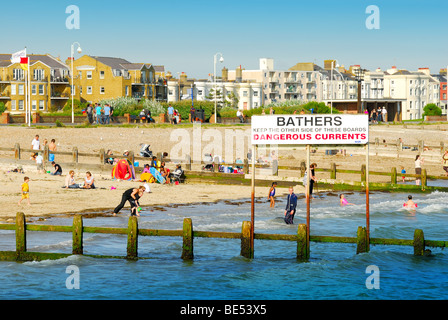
x=275, y=168
x=361, y=241
x=102, y=156
x=419, y=242
x=303, y=246
x=442, y=148
x=393, y=176
x=246, y=166
x=75, y=155
x=46, y=153
x=77, y=234
x=333, y=171
x=131, y=157
x=132, y=238
x=302, y=168
x=187, y=245
x=216, y=164
x=424, y=179
x=363, y=173
x=17, y=151
x=20, y=234
x=187, y=162
x=246, y=250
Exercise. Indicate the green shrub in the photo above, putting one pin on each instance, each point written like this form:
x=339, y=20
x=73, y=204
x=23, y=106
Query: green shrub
x=431, y=109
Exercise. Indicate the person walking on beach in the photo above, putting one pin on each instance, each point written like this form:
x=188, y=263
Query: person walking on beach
x=25, y=191
x=132, y=195
x=35, y=144
x=418, y=168
x=272, y=194
x=291, y=204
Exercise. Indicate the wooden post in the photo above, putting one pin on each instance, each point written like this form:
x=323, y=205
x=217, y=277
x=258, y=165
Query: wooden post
x=393, y=176
x=77, y=234
x=307, y=193
x=303, y=250
x=302, y=168
x=419, y=242
x=75, y=155
x=367, y=176
x=216, y=164
x=20, y=234
x=333, y=171
x=442, y=148
x=132, y=238
x=246, y=248
x=102, y=156
x=17, y=151
x=424, y=179
x=246, y=166
x=46, y=153
x=188, y=162
x=275, y=168
x=131, y=157
x=363, y=172
x=361, y=242
x=187, y=245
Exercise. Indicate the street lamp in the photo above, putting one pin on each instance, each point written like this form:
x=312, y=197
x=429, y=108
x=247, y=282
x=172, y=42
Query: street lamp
x=214, y=78
x=359, y=74
x=79, y=50
x=331, y=84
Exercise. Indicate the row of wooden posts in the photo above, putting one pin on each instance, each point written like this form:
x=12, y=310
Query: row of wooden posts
x=275, y=166
x=188, y=234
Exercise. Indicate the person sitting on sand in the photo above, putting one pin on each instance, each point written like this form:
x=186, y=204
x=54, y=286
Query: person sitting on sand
x=70, y=181
x=57, y=169
x=344, y=201
x=88, y=181
x=410, y=203
x=165, y=174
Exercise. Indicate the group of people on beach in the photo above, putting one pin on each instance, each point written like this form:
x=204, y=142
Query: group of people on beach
x=99, y=114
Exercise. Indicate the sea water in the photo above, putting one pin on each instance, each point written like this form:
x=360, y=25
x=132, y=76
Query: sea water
x=218, y=272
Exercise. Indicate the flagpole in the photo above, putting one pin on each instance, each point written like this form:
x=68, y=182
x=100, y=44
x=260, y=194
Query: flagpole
x=26, y=97
x=29, y=92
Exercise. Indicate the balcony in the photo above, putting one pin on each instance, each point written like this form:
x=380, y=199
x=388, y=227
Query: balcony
x=59, y=80
x=59, y=95
x=273, y=79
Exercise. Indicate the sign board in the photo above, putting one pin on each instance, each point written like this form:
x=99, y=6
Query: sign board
x=310, y=129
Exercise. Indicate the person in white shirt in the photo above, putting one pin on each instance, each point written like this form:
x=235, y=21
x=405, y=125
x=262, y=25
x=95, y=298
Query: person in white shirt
x=384, y=114
x=35, y=144
x=40, y=163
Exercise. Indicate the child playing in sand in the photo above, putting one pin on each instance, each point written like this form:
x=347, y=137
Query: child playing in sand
x=410, y=203
x=25, y=191
x=344, y=201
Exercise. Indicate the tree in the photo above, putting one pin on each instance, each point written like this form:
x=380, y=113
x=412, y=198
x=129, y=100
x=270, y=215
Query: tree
x=232, y=100
x=431, y=109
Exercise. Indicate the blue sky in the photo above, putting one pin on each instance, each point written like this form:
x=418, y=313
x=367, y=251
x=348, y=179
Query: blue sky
x=184, y=35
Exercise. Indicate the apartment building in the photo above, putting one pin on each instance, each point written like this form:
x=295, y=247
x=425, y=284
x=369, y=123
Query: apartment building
x=415, y=88
x=442, y=78
x=98, y=78
x=247, y=93
x=49, y=83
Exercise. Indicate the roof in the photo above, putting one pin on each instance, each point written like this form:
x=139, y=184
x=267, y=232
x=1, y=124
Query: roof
x=52, y=62
x=114, y=63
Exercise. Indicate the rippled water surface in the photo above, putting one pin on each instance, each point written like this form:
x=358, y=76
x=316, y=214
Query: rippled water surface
x=334, y=271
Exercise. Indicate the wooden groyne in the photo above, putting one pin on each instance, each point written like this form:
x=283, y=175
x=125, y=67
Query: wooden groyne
x=188, y=234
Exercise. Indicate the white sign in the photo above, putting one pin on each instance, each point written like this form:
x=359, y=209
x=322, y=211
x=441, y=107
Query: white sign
x=310, y=129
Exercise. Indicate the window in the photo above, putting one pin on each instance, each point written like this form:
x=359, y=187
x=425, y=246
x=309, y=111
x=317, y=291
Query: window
x=33, y=89
x=33, y=105
x=20, y=104
x=89, y=90
x=410, y=104
x=41, y=104
x=21, y=89
x=199, y=92
x=80, y=75
x=255, y=93
x=126, y=91
x=13, y=104
x=410, y=92
x=89, y=74
x=101, y=90
x=13, y=89
x=17, y=74
x=41, y=89
x=244, y=93
x=101, y=74
x=39, y=74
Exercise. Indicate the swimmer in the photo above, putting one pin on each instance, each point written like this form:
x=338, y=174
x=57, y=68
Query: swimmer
x=272, y=194
x=344, y=201
x=410, y=203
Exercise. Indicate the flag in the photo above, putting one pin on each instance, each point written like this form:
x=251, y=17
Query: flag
x=15, y=58
x=24, y=63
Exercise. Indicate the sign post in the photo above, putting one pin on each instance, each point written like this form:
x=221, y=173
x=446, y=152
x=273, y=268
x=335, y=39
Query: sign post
x=311, y=129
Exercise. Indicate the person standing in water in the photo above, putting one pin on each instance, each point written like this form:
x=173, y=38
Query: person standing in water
x=291, y=204
x=272, y=194
x=132, y=195
x=344, y=201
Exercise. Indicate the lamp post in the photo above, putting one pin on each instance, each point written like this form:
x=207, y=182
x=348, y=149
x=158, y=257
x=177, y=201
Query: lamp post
x=79, y=50
x=331, y=84
x=359, y=74
x=214, y=79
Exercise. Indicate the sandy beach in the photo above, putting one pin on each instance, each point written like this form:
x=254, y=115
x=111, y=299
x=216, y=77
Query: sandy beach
x=48, y=197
